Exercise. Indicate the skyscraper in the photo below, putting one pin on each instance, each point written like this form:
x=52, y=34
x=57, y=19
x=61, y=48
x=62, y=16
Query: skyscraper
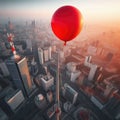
x=92, y=72
x=50, y=50
x=40, y=55
x=20, y=74
x=15, y=99
x=34, y=68
x=47, y=81
x=87, y=61
x=10, y=26
x=70, y=94
x=29, y=44
x=44, y=54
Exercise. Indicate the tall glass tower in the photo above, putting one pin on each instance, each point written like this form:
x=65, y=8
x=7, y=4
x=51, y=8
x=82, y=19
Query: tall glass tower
x=19, y=72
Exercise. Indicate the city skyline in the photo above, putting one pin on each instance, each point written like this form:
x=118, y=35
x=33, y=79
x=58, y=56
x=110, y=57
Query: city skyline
x=42, y=79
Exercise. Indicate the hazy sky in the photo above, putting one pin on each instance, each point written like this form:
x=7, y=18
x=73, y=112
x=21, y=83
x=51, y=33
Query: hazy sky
x=98, y=10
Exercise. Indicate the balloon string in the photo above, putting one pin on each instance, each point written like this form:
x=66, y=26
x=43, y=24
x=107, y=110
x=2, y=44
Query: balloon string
x=65, y=43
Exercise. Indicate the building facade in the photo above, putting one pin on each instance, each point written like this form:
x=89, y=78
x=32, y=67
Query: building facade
x=20, y=75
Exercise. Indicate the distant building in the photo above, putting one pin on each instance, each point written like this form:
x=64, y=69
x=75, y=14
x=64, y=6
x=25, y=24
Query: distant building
x=93, y=68
x=73, y=75
x=40, y=55
x=109, y=89
x=50, y=51
x=92, y=72
x=71, y=72
x=15, y=99
x=70, y=94
x=112, y=84
x=10, y=26
x=47, y=81
x=29, y=44
x=98, y=75
x=71, y=66
x=47, y=53
x=34, y=68
x=44, y=54
x=67, y=51
x=52, y=69
x=62, y=56
x=92, y=50
x=87, y=61
x=53, y=48
x=81, y=79
x=40, y=101
x=19, y=72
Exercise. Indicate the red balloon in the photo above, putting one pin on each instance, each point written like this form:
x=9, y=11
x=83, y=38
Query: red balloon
x=66, y=23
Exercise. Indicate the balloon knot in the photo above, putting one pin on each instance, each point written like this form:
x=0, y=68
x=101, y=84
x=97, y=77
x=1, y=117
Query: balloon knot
x=65, y=43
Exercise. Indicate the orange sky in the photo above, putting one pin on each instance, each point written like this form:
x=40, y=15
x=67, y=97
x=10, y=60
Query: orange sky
x=103, y=10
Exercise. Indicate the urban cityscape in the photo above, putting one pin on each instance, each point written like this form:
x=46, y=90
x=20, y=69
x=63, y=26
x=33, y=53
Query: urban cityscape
x=33, y=60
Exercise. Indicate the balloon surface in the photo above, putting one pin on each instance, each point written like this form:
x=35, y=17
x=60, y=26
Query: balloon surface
x=67, y=23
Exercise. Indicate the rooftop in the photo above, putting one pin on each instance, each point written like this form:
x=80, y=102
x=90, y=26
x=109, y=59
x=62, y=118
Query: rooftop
x=47, y=77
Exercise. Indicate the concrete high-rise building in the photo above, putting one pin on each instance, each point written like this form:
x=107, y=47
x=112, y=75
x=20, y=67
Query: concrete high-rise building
x=40, y=55
x=99, y=75
x=71, y=66
x=10, y=26
x=109, y=90
x=70, y=94
x=71, y=72
x=15, y=100
x=92, y=72
x=73, y=75
x=44, y=54
x=40, y=101
x=91, y=50
x=62, y=56
x=47, y=81
x=53, y=48
x=87, y=61
x=29, y=44
x=50, y=52
x=34, y=68
x=112, y=84
x=19, y=72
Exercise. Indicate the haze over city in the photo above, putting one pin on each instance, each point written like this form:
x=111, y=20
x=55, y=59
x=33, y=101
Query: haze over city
x=36, y=9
